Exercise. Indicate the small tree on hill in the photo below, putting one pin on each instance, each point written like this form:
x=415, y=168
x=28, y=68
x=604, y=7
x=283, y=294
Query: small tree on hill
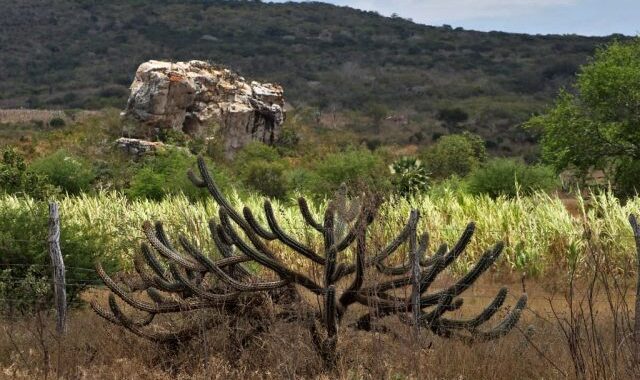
x=598, y=126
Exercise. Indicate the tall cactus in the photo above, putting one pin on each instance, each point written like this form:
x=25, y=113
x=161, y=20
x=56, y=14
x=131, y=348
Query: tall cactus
x=187, y=280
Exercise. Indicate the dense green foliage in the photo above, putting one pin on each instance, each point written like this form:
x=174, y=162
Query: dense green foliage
x=409, y=176
x=16, y=179
x=70, y=173
x=24, y=270
x=357, y=168
x=508, y=177
x=164, y=174
x=455, y=154
x=262, y=169
x=360, y=65
x=598, y=127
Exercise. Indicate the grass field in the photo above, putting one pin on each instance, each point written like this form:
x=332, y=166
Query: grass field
x=542, y=237
x=576, y=324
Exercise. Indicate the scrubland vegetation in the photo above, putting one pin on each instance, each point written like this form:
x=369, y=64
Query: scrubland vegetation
x=568, y=243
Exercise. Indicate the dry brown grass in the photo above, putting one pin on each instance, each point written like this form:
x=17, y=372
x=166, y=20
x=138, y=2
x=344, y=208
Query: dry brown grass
x=94, y=349
x=25, y=115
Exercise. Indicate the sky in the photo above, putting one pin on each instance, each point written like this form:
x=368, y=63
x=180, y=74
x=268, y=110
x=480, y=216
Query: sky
x=583, y=17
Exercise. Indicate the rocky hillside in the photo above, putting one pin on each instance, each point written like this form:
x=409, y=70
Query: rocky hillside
x=386, y=79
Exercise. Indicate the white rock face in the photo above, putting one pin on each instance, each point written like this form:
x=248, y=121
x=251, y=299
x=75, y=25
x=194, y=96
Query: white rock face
x=195, y=96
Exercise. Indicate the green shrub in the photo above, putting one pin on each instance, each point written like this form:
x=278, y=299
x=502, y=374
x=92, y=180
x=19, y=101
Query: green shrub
x=57, y=122
x=261, y=168
x=509, y=177
x=455, y=154
x=268, y=178
x=16, y=179
x=627, y=178
x=70, y=173
x=24, y=261
x=165, y=173
x=409, y=176
x=357, y=168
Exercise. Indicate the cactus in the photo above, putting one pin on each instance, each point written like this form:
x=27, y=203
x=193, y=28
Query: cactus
x=188, y=280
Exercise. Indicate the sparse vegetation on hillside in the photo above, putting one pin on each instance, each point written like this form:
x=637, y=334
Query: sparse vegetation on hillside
x=385, y=78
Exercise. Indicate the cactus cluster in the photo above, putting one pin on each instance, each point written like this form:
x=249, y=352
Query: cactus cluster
x=181, y=281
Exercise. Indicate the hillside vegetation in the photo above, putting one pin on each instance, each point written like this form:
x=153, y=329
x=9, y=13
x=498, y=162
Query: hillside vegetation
x=383, y=79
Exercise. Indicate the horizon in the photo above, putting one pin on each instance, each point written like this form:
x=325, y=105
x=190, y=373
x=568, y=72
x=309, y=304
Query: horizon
x=591, y=18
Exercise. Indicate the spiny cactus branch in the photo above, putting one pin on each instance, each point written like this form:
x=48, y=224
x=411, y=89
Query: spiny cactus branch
x=179, y=281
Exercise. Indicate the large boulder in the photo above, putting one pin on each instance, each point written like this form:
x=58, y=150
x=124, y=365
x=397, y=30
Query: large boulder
x=204, y=100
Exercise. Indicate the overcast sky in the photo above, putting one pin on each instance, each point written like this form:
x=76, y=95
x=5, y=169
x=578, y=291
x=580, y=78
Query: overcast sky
x=585, y=17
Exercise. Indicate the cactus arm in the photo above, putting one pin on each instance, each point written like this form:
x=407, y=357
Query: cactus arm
x=468, y=279
x=154, y=263
x=183, y=335
x=217, y=195
x=113, y=319
x=330, y=254
x=481, y=318
x=287, y=239
x=152, y=280
x=255, y=225
x=166, y=252
x=391, y=247
x=157, y=308
x=162, y=235
x=477, y=336
x=307, y=216
x=209, y=296
x=238, y=285
x=265, y=259
x=461, y=245
x=348, y=297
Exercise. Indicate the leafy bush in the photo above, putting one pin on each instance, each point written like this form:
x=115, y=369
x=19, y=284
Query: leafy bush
x=357, y=168
x=268, y=178
x=165, y=173
x=455, y=154
x=24, y=259
x=509, y=177
x=57, y=122
x=261, y=168
x=627, y=178
x=16, y=179
x=71, y=173
x=409, y=176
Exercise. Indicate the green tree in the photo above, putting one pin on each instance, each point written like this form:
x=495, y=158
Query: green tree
x=598, y=125
x=16, y=179
x=456, y=154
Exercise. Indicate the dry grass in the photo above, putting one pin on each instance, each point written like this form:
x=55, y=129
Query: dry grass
x=24, y=115
x=94, y=349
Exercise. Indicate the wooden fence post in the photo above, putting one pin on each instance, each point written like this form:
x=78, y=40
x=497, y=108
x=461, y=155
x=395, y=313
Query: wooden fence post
x=57, y=266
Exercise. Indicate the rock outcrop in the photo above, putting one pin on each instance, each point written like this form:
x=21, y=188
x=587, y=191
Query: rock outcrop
x=137, y=147
x=204, y=100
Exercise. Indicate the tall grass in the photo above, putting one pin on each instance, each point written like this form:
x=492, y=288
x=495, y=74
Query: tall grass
x=541, y=235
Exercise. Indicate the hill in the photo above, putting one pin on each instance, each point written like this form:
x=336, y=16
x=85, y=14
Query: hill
x=381, y=79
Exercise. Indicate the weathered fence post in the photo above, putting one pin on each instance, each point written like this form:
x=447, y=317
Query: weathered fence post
x=636, y=327
x=57, y=266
